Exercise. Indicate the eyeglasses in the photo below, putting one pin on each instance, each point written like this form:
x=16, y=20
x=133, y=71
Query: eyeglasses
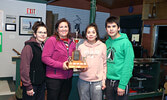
x=40, y=32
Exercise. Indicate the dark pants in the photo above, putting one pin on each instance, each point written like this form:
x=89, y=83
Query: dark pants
x=39, y=92
x=111, y=90
x=58, y=89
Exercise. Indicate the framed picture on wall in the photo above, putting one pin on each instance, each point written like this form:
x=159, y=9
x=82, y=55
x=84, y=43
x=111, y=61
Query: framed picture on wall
x=10, y=27
x=26, y=23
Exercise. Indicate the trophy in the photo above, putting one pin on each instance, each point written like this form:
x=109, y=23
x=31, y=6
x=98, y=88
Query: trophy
x=77, y=61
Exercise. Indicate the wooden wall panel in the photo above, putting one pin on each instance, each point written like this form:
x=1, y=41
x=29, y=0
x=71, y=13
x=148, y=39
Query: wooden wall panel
x=161, y=7
x=152, y=1
x=145, y=11
x=49, y=22
x=161, y=10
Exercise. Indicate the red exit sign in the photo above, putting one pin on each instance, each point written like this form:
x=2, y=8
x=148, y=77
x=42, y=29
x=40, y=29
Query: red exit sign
x=30, y=11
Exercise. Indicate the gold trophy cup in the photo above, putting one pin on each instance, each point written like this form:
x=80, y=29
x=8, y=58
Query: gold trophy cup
x=77, y=61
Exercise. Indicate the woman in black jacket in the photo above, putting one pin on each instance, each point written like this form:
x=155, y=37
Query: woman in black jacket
x=32, y=69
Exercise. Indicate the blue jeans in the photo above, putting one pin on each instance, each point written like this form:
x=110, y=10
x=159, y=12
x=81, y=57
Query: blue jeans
x=39, y=92
x=89, y=90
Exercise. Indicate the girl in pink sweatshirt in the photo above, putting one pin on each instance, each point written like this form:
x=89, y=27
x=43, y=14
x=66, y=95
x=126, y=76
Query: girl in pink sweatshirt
x=92, y=79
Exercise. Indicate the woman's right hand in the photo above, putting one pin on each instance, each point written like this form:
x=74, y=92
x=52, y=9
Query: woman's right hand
x=65, y=65
x=30, y=92
x=83, y=69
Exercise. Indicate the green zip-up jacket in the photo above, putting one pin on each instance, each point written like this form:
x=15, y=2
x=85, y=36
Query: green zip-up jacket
x=120, y=59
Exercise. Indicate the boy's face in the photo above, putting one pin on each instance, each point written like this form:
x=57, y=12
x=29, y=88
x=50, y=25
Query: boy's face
x=112, y=30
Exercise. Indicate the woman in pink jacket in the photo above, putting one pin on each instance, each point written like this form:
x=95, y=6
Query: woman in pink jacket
x=57, y=49
x=92, y=79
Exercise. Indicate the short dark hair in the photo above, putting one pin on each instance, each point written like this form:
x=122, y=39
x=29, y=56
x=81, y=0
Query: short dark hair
x=96, y=29
x=57, y=25
x=112, y=19
x=38, y=24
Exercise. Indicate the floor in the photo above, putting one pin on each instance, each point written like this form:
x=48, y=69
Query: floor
x=7, y=89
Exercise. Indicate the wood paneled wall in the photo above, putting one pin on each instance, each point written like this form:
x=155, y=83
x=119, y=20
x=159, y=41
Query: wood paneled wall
x=161, y=7
x=160, y=19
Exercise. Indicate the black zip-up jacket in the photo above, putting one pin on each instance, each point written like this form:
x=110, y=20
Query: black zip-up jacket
x=37, y=67
x=25, y=63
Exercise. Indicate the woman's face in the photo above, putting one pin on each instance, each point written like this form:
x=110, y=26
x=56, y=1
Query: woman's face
x=41, y=34
x=63, y=30
x=91, y=34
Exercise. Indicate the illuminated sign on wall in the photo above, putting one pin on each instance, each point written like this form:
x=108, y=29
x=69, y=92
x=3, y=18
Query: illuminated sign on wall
x=31, y=11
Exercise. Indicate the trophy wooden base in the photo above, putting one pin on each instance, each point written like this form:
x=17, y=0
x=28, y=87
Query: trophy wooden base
x=77, y=64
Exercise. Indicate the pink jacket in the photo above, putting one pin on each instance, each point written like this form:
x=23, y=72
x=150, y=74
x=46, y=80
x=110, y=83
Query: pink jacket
x=54, y=55
x=96, y=59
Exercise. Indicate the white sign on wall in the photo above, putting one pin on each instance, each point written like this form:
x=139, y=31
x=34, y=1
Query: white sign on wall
x=11, y=19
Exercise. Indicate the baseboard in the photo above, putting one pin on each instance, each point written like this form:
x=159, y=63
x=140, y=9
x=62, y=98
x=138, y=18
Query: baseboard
x=6, y=78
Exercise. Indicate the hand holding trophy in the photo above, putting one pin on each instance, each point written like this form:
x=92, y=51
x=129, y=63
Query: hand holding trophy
x=65, y=65
x=77, y=61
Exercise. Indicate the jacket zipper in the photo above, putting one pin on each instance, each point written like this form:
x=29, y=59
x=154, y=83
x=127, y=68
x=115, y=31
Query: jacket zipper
x=33, y=77
x=68, y=55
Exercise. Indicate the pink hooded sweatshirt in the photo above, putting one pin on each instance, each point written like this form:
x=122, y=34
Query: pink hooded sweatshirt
x=96, y=59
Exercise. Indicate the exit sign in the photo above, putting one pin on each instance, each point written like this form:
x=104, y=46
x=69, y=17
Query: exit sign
x=31, y=11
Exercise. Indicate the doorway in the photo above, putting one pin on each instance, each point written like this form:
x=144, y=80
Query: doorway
x=131, y=25
x=160, y=41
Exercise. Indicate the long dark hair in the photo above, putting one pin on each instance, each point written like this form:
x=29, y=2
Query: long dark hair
x=57, y=25
x=96, y=29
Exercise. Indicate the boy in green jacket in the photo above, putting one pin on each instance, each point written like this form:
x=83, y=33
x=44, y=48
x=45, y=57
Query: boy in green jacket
x=120, y=58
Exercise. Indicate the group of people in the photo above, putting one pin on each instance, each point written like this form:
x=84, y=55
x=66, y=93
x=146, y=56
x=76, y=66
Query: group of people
x=44, y=65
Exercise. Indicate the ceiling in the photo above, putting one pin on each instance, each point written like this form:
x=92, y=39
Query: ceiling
x=112, y=4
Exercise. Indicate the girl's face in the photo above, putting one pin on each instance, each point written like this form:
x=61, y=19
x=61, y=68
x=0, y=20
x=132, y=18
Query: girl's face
x=91, y=35
x=41, y=34
x=63, y=30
